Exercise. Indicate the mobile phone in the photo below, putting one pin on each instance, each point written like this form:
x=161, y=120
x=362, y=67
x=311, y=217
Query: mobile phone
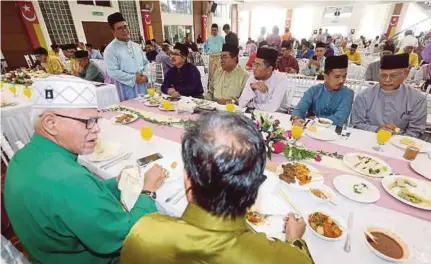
x=314, y=57
x=148, y=159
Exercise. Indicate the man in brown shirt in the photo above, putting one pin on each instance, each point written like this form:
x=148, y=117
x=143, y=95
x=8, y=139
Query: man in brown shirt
x=287, y=63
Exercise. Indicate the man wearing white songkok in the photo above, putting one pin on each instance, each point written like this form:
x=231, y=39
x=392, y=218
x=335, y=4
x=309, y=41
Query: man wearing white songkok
x=391, y=104
x=60, y=211
x=125, y=61
x=265, y=89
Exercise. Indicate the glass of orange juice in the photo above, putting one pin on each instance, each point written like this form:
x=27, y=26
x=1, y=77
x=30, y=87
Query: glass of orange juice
x=151, y=91
x=28, y=92
x=12, y=89
x=230, y=107
x=382, y=137
x=167, y=105
x=296, y=132
x=146, y=133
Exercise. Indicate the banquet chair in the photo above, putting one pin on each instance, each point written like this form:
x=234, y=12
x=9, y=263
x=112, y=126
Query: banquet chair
x=10, y=254
x=300, y=84
x=356, y=85
x=6, y=150
x=28, y=60
x=204, y=78
x=157, y=76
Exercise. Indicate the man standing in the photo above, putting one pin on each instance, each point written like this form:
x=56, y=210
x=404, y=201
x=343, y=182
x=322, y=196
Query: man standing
x=287, y=35
x=60, y=211
x=320, y=36
x=230, y=38
x=94, y=54
x=408, y=40
x=150, y=51
x=353, y=55
x=224, y=156
x=124, y=61
x=214, y=46
x=184, y=79
x=274, y=40
x=287, y=63
x=164, y=59
x=391, y=104
x=373, y=69
x=265, y=89
x=331, y=99
x=51, y=63
x=230, y=79
x=90, y=71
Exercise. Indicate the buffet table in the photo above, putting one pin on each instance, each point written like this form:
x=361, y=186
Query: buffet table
x=411, y=224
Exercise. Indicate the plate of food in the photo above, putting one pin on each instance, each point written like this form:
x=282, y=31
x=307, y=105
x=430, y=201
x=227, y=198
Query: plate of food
x=105, y=151
x=367, y=165
x=356, y=188
x=298, y=174
x=387, y=245
x=414, y=192
x=324, y=122
x=321, y=133
x=270, y=224
x=125, y=118
x=405, y=141
x=422, y=165
x=152, y=101
x=325, y=226
x=321, y=192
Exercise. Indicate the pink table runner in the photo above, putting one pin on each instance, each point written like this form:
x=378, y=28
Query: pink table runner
x=387, y=201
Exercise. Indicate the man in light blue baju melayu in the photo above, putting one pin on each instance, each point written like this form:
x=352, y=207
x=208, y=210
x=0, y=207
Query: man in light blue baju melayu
x=331, y=99
x=125, y=62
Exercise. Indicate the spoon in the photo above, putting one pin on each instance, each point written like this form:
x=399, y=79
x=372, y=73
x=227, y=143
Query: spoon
x=370, y=236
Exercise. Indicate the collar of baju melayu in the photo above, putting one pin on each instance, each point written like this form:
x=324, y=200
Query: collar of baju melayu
x=233, y=70
x=46, y=145
x=330, y=92
x=393, y=92
x=125, y=43
x=197, y=216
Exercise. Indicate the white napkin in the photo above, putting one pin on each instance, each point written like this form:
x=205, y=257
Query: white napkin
x=130, y=185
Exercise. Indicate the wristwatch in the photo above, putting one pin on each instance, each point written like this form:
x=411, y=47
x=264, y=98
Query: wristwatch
x=153, y=195
x=297, y=243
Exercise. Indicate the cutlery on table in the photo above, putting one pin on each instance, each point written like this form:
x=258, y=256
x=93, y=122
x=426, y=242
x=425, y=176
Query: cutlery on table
x=173, y=196
x=347, y=246
x=116, y=161
x=269, y=215
x=179, y=198
x=370, y=236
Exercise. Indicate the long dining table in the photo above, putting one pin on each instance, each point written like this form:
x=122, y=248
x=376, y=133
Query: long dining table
x=413, y=225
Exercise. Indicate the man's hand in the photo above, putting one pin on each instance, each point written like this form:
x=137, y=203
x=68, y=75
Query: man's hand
x=171, y=91
x=153, y=178
x=260, y=86
x=390, y=127
x=225, y=101
x=296, y=120
x=140, y=78
x=294, y=228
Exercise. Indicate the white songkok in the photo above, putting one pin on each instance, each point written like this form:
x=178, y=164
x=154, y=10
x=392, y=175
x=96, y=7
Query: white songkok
x=64, y=91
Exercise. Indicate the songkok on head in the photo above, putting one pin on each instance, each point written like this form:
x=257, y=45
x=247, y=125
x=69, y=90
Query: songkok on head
x=267, y=54
x=336, y=62
x=320, y=45
x=64, y=91
x=354, y=46
x=398, y=61
x=115, y=18
x=184, y=50
x=286, y=44
x=232, y=49
x=81, y=54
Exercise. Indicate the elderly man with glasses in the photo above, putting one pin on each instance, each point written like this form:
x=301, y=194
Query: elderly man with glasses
x=125, y=62
x=60, y=211
x=391, y=105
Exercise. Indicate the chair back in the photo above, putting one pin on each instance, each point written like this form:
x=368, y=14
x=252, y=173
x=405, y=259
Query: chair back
x=6, y=150
x=28, y=60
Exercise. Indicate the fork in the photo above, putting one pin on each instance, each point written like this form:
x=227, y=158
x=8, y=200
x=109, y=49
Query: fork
x=173, y=196
x=116, y=161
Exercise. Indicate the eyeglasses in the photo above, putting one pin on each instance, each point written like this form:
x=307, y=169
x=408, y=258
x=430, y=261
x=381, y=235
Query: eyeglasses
x=392, y=76
x=122, y=28
x=89, y=123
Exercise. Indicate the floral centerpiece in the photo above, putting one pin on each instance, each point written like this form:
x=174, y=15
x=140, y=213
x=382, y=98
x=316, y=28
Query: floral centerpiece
x=17, y=77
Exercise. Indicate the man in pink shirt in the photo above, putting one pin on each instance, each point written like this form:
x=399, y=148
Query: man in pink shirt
x=274, y=39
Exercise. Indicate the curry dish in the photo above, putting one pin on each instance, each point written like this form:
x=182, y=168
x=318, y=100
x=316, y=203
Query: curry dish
x=386, y=245
x=324, y=225
x=295, y=171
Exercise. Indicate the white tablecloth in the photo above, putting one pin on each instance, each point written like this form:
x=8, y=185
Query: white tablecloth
x=16, y=120
x=414, y=231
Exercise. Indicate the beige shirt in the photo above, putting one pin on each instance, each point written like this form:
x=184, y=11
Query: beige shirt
x=227, y=85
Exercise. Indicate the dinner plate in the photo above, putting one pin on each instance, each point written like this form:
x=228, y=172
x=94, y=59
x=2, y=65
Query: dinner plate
x=113, y=120
x=422, y=166
x=351, y=161
x=161, y=108
x=423, y=189
x=346, y=185
x=326, y=190
x=112, y=150
x=316, y=176
x=422, y=145
x=316, y=121
x=321, y=133
x=338, y=220
x=149, y=104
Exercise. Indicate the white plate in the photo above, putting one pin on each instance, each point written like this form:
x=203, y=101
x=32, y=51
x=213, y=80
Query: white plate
x=422, y=145
x=338, y=220
x=326, y=190
x=113, y=120
x=422, y=166
x=322, y=133
x=394, y=236
x=147, y=103
x=351, y=161
x=423, y=188
x=316, y=121
x=344, y=185
x=314, y=178
x=161, y=108
x=112, y=150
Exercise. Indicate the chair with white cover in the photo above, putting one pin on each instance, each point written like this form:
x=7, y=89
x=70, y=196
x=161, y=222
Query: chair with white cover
x=300, y=84
x=28, y=60
x=355, y=72
x=204, y=78
x=356, y=85
x=6, y=150
x=10, y=254
x=158, y=76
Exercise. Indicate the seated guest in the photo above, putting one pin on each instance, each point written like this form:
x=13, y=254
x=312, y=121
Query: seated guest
x=265, y=89
x=195, y=56
x=249, y=64
x=230, y=79
x=330, y=47
x=391, y=104
x=184, y=78
x=424, y=73
x=331, y=99
x=224, y=157
x=94, y=53
x=90, y=71
x=316, y=64
x=56, y=51
x=150, y=52
x=51, y=63
x=75, y=68
x=59, y=210
x=413, y=56
x=157, y=48
x=373, y=69
x=306, y=52
x=164, y=59
x=353, y=55
x=287, y=63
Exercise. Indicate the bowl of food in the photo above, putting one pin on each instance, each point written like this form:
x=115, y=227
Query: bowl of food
x=387, y=245
x=325, y=226
x=321, y=192
x=323, y=122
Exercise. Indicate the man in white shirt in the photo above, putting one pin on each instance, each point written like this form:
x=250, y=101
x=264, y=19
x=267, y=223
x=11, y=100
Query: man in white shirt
x=265, y=89
x=408, y=40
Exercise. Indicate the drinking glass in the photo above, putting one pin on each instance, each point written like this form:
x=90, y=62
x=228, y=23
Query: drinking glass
x=146, y=134
x=12, y=89
x=296, y=132
x=28, y=92
x=151, y=91
x=167, y=105
x=383, y=136
x=230, y=108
